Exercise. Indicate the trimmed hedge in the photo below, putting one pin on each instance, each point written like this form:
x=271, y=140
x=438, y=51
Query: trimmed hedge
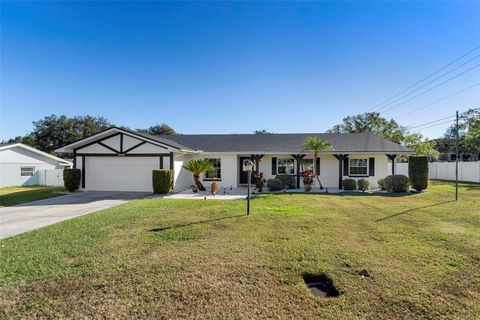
x=363, y=184
x=418, y=172
x=71, y=179
x=162, y=181
x=396, y=183
x=288, y=181
x=349, y=184
x=381, y=183
x=274, y=184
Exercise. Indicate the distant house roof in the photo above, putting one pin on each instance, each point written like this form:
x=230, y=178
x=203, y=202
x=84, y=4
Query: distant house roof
x=5, y=146
x=286, y=142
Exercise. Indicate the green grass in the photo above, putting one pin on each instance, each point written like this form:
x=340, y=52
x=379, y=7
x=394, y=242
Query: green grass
x=159, y=258
x=15, y=195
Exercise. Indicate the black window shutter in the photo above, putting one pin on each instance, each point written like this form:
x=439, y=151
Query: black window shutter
x=345, y=166
x=371, y=167
x=317, y=166
x=274, y=166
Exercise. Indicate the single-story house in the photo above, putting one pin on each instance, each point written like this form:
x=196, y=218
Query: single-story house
x=122, y=160
x=22, y=165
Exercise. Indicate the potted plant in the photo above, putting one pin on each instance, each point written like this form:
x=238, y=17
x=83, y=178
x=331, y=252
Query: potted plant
x=259, y=181
x=214, y=187
x=308, y=179
x=197, y=167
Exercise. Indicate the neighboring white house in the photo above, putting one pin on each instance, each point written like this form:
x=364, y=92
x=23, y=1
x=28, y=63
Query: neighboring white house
x=22, y=165
x=121, y=160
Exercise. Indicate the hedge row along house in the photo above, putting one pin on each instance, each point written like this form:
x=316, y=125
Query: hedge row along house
x=121, y=160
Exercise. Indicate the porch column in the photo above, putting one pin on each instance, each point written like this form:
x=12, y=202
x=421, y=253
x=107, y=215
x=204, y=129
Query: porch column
x=256, y=159
x=392, y=158
x=298, y=159
x=83, y=172
x=340, y=158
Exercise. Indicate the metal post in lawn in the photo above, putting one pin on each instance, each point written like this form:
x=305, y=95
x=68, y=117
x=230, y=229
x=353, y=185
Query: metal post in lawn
x=456, y=158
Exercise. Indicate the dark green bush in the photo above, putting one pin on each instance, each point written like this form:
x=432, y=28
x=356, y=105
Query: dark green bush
x=288, y=181
x=71, y=179
x=274, y=184
x=418, y=172
x=396, y=183
x=349, y=184
x=162, y=181
x=363, y=184
x=381, y=184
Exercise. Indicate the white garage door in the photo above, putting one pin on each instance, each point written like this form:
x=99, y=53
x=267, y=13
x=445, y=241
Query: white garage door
x=120, y=173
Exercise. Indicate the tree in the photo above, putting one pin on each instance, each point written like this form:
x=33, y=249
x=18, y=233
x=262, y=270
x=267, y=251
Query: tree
x=197, y=167
x=468, y=131
x=472, y=138
x=422, y=147
x=315, y=145
x=371, y=122
x=263, y=131
x=159, y=129
x=54, y=131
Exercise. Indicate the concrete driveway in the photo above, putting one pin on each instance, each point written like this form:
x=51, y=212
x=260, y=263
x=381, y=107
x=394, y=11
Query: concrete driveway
x=33, y=215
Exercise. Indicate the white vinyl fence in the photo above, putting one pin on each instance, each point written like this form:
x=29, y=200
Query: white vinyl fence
x=467, y=171
x=50, y=177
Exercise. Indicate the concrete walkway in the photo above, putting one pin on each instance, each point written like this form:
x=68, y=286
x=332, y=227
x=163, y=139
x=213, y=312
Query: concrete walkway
x=33, y=215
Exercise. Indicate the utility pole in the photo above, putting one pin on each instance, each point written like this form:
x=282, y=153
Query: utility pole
x=456, y=158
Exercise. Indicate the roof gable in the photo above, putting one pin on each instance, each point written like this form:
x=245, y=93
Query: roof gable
x=35, y=151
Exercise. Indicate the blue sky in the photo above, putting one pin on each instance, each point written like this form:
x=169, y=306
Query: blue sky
x=221, y=67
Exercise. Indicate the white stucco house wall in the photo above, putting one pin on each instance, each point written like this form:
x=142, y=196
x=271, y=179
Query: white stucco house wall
x=122, y=160
x=22, y=165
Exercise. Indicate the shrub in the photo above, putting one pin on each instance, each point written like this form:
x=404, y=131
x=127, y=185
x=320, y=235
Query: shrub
x=363, y=184
x=288, y=181
x=162, y=181
x=308, y=179
x=274, y=184
x=71, y=179
x=259, y=181
x=396, y=183
x=381, y=183
x=349, y=184
x=418, y=172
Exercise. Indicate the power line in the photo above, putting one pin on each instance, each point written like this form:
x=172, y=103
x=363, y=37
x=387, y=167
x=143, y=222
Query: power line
x=431, y=88
x=426, y=123
x=431, y=81
x=436, y=101
x=421, y=80
x=438, y=124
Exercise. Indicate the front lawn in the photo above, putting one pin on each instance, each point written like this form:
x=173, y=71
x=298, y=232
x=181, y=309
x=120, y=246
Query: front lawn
x=391, y=257
x=15, y=195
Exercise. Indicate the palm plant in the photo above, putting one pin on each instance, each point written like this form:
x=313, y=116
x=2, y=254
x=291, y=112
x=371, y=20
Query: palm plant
x=197, y=167
x=315, y=145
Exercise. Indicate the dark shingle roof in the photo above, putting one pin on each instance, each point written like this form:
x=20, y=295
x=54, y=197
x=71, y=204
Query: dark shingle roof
x=284, y=142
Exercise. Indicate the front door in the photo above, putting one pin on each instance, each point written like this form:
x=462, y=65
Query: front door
x=243, y=170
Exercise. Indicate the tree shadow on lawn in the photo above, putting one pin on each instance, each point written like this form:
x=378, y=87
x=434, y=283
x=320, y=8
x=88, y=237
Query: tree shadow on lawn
x=194, y=223
x=411, y=210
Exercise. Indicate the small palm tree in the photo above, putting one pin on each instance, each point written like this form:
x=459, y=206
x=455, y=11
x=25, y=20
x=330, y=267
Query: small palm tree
x=197, y=167
x=315, y=145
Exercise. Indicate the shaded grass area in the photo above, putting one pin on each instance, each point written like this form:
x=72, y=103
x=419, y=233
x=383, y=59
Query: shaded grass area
x=168, y=258
x=14, y=195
